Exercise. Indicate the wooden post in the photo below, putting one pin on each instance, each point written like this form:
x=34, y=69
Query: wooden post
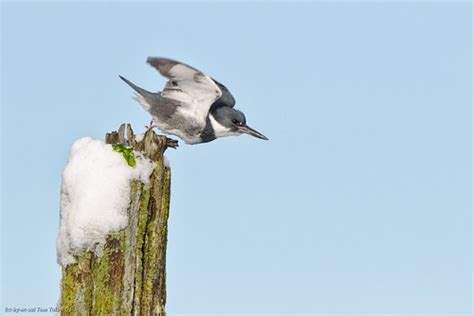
x=129, y=277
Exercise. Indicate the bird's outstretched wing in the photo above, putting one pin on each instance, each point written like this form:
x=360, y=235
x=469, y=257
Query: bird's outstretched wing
x=195, y=91
x=226, y=98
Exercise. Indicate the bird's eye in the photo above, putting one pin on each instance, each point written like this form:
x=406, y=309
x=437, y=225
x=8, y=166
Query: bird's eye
x=235, y=122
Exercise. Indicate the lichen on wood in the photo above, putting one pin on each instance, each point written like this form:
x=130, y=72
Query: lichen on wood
x=129, y=277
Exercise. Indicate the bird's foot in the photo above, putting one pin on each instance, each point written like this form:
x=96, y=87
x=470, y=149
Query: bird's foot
x=150, y=127
x=170, y=143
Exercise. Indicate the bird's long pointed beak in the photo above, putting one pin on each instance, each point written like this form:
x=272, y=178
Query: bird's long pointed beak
x=248, y=130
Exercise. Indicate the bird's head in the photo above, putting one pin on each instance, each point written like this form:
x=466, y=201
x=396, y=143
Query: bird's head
x=234, y=123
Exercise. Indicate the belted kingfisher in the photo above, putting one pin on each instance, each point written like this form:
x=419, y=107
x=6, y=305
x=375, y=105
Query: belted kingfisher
x=192, y=106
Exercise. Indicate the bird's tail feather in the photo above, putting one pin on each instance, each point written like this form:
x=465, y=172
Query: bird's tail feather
x=139, y=90
x=144, y=97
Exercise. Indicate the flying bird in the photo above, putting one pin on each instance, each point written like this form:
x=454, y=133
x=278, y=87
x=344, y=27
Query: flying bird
x=193, y=106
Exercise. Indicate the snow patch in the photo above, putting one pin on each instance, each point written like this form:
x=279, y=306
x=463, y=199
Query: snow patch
x=143, y=169
x=166, y=162
x=95, y=194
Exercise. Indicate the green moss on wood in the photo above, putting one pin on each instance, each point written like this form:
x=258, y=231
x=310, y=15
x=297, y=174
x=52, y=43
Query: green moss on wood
x=76, y=295
x=141, y=232
x=107, y=273
x=69, y=288
x=127, y=153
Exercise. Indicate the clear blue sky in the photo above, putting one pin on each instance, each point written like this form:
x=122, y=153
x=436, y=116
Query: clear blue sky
x=360, y=201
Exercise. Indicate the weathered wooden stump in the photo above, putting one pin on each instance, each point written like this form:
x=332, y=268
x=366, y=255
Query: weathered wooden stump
x=129, y=278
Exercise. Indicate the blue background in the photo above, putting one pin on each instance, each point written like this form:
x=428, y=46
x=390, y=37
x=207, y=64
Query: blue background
x=361, y=200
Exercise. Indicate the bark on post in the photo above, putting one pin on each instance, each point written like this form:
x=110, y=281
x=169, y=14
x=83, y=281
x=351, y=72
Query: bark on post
x=129, y=278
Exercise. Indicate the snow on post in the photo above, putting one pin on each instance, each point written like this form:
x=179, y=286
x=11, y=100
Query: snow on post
x=95, y=194
x=113, y=229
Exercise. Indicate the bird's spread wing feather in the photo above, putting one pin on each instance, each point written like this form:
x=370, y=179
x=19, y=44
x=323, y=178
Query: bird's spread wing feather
x=193, y=89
